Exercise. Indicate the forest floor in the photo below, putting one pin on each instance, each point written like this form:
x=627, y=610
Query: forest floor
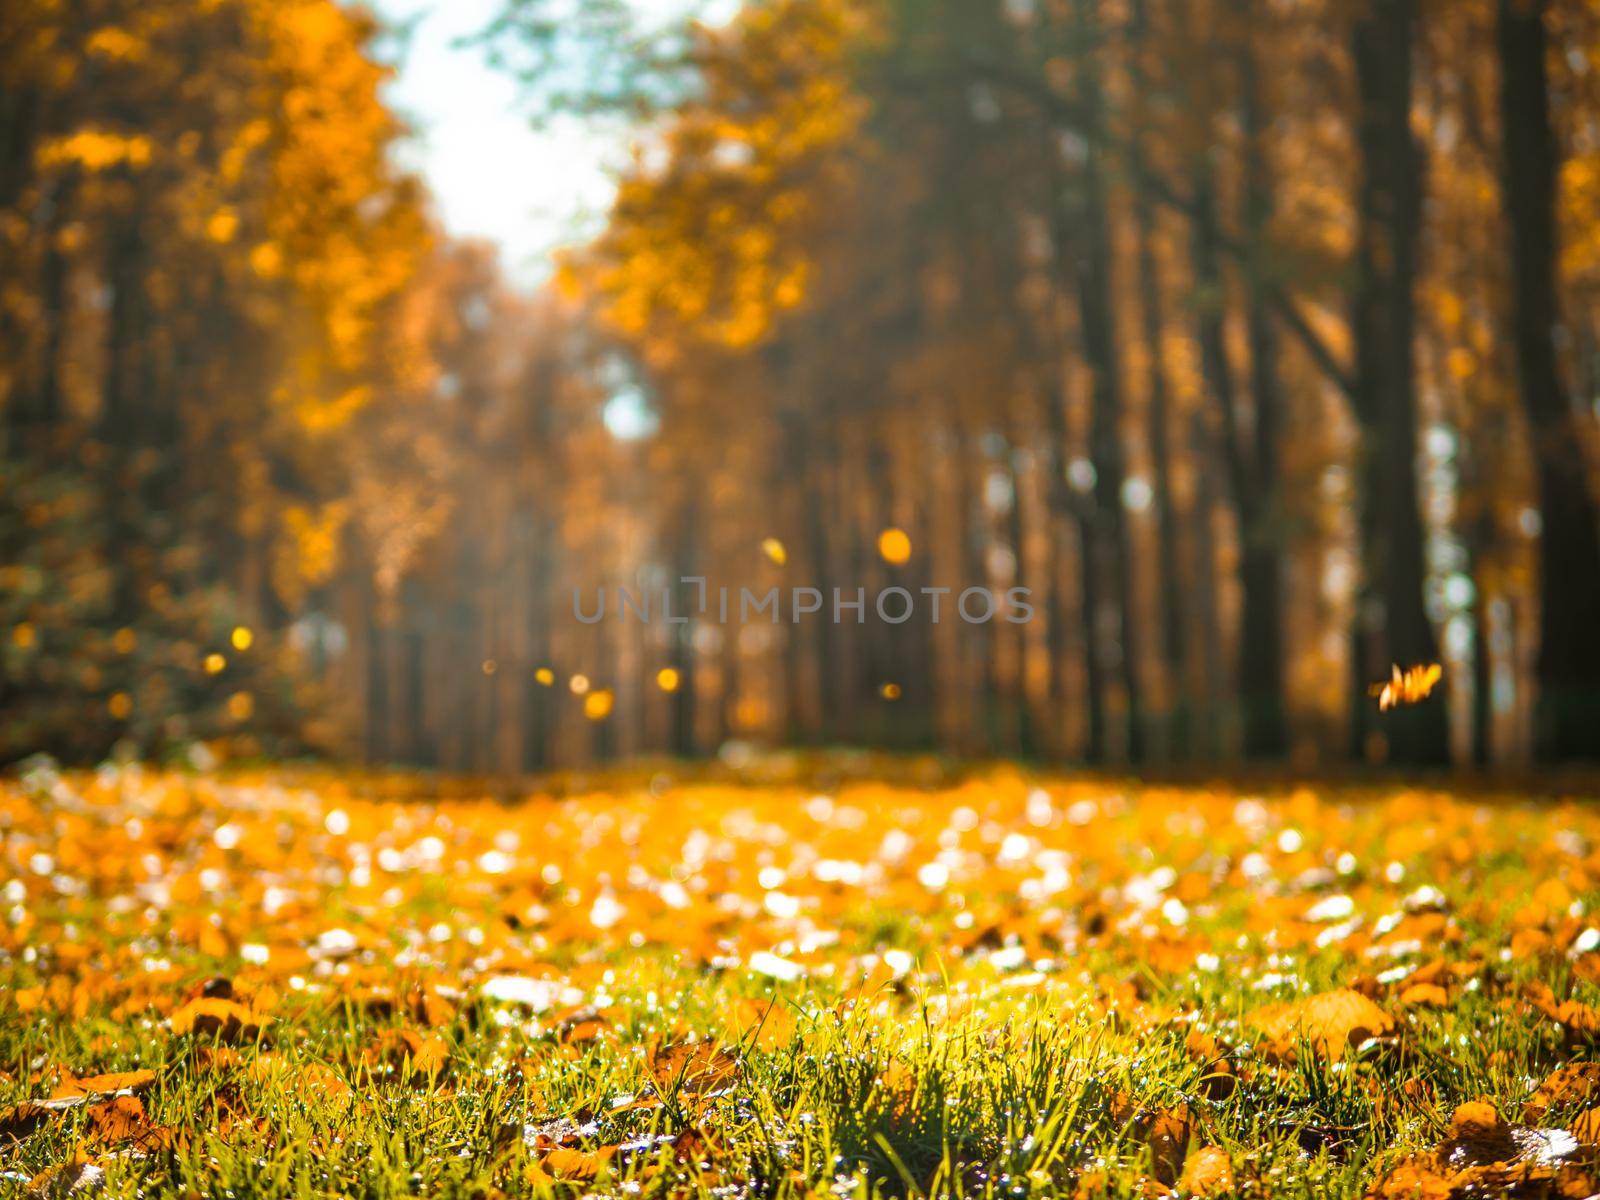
x=887, y=983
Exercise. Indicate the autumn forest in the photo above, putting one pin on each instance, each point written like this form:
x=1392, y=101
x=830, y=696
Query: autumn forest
x=1253, y=342
x=1014, y=613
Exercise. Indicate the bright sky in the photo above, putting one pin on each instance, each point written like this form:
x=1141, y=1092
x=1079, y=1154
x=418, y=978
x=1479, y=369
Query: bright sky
x=491, y=173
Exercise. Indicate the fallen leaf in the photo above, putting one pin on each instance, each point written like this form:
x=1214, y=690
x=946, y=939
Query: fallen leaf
x=225, y=1020
x=1333, y=1023
x=1567, y=1087
x=583, y=1166
x=75, y=1178
x=1209, y=1172
x=122, y=1082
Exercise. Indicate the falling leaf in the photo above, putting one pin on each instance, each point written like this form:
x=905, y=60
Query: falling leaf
x=774, y=550
x=1411, y=686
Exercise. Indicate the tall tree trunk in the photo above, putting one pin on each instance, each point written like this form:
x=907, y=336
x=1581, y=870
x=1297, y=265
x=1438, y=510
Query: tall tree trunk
x=1210, y=689
x=1169, y=574
x=1482, y=683
x=681, y=652
x=1261, y=649
x=1567, y=713
x=1394, y=625
x=1096, y=293
x=1257, y=572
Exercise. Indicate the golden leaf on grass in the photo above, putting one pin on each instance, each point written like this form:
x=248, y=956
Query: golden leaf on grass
x=577, y=1026
x=1567, y=1087
x=1579, y=1021
x=1585, y=1127
x=582, y=1166
x=1331, y=1022
x=1219, y=1080
x=426, y=1055
x=1411, y=686
x=1170, y=1132
x=216, y=1058
x=1424, y=995
x=74, y=1178
x=306, y=1078
x=225, y=1020
x=18, y=1121
x=103, y=1085
x=767, y=1026
x=1412, y=1180
x=895, y=1089
x=1478, y=1135
x=700, y=1068
x=1207, y=1173
x=1482, y=1155
x=122, y=1121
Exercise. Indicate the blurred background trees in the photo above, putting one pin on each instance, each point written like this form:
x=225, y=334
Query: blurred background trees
x=1257, y=340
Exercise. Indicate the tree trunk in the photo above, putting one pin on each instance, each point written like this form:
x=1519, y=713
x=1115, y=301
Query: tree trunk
x=1169, y=575
x=1096, y=293
x=1261, y=648
x=1394, y=623
x=1567, y=712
